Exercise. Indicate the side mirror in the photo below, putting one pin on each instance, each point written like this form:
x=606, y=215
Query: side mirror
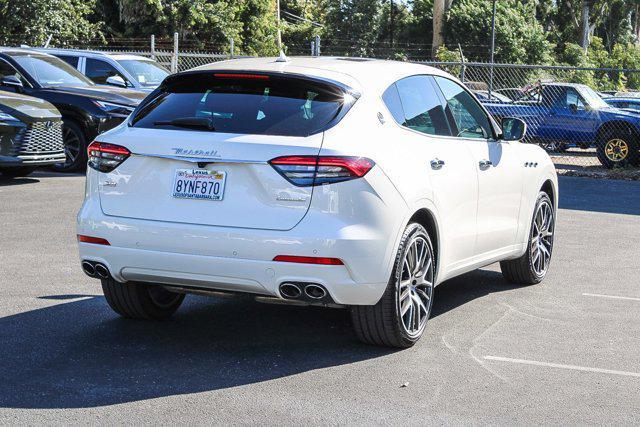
x=12, y=82
x=116, y=81
x=513, y=129
x=573, y=108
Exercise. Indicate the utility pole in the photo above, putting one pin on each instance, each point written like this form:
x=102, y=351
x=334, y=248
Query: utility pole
x=391, y=23
x=493, y=45
x=279, y=32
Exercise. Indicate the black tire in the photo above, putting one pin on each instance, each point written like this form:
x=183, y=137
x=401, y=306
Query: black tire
x=141, y=301
x=523, y=270
x=17, y=172
x=75, y=147
x=617, y=148
x=383, y=324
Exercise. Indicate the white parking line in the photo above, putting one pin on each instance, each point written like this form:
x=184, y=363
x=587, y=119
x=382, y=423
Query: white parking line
x=611, y=296
x=561, y=366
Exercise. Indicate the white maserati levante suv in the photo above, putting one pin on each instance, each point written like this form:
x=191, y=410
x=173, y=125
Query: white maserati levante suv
x=329, y=181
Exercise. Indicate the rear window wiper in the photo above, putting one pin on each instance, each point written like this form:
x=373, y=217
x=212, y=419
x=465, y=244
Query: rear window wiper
x=188, y=122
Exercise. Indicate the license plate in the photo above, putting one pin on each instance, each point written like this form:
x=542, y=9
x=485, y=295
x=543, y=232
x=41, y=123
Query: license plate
x=199, y=184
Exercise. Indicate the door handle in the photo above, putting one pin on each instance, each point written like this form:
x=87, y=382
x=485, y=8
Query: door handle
x=485, y=164
x=437, y=164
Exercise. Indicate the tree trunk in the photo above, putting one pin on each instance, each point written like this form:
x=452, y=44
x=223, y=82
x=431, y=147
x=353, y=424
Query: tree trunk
x=438, y=26
x=636, y=30
x=584, y=24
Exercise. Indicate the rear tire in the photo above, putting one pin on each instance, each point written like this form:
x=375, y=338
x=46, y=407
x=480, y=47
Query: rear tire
x=17, y=172
x=530, y=269
x=409, y=293
x=141, y=301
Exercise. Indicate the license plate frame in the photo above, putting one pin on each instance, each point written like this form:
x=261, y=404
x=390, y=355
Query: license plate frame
x=199, y=184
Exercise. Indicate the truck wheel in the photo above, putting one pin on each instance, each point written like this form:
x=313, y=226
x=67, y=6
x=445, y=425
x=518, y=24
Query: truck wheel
x=617, y=148
x=75, y=148
x=141, y=301
x=401, y=315
x=17, y=172
x=531, y=267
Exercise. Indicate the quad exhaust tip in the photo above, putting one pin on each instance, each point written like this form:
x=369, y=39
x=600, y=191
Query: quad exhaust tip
x=88, y=268
x=304, y=291
x=315, y=291
x=95, y=269
x=102, y=271
x=290, y=290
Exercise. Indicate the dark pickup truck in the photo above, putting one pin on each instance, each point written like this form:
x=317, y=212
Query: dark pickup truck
x=559, y=115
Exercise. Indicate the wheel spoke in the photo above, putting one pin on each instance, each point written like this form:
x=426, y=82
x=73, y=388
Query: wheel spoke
x=405, y=294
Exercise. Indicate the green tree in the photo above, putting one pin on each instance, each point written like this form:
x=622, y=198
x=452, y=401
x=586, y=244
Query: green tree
x=32, y=21
x=519, y=36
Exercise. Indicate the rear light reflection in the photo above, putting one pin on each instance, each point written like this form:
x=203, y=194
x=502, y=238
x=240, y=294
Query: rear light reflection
x=94, y=240
x=308, y=260
x=106, y=157
x=317, y=170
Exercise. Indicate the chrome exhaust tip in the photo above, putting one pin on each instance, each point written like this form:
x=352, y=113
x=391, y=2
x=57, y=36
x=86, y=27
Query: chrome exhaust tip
x=315, y=291
x=290, y=290
x=88, y=268
x=102, y=271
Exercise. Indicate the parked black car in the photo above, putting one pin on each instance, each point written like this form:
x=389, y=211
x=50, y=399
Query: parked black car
x=30, y=134
x=87, y=110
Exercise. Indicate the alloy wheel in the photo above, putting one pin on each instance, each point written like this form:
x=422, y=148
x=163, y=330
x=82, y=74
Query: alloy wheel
x=541, y=243
x=616, y=150
x=71, y=146
x=415, y=287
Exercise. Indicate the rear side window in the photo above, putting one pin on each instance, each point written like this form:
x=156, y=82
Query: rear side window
x=71, y=60
x=248, y=104
x=422, y=109
x=99, y=71
x=468, y=116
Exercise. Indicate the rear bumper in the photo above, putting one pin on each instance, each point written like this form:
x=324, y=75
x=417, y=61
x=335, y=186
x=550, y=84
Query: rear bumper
x=219, y=273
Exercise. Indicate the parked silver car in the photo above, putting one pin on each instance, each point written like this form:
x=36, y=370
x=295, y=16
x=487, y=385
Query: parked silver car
x=115, y=69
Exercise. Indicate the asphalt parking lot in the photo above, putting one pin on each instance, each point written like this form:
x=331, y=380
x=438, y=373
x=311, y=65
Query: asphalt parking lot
x=563, y=352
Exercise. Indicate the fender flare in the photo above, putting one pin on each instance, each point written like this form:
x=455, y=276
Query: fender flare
x=413, y=208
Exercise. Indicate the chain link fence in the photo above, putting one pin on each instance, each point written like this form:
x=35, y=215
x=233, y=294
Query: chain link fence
x=576, y=114
x=588, y=119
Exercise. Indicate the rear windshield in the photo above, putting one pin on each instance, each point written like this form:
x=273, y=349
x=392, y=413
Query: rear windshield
x=246, y=104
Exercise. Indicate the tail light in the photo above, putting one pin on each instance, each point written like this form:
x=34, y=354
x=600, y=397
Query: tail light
x=105, y=157
x=317, y=170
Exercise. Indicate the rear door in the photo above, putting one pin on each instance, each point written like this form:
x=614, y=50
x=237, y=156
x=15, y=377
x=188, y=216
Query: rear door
x=251, y=120
x=498, y=169
x=437, y=162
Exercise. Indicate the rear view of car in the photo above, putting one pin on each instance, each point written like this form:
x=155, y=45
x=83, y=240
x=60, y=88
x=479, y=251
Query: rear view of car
x=226, y=165
x=30, y=134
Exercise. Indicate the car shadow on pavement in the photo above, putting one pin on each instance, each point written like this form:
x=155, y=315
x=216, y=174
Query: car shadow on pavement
x=5, y=182
x=77, y=354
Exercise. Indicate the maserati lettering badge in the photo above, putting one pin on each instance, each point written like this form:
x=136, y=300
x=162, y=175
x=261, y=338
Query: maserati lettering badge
x=195, y=153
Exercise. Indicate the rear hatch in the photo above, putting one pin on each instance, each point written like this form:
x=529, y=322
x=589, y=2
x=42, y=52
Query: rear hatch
x=200, y=150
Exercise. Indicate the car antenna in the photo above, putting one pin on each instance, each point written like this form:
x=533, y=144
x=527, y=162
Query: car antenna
x=282, y=57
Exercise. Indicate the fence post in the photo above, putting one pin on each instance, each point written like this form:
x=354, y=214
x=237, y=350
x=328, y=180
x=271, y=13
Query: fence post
x=313, y=48
x=174, y=57
x=463, y=69
x=231, y=47
x=153, y=46
x=317, y=43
